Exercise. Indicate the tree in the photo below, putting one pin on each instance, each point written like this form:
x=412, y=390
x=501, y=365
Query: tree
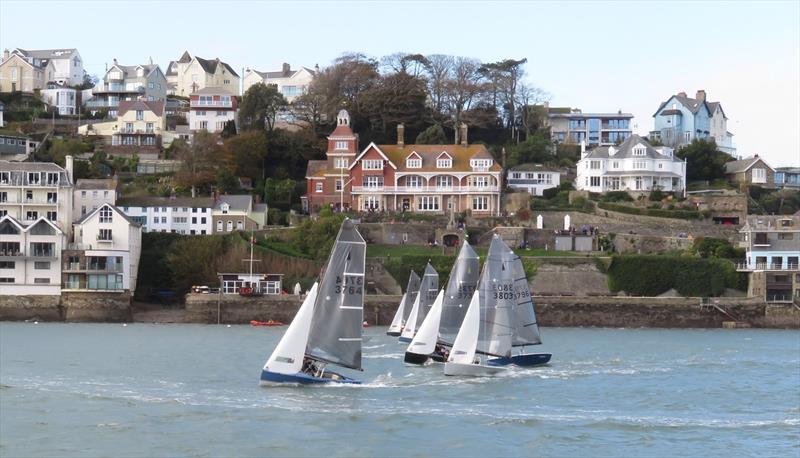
x=703, y=160
x=433, y=135
x=439, y=68
x=229, y=129
x=279, y=193
x=316, y=238
x=461, y=88
x=248, y=154
x=260, y=106
x=200, y=161
x=396, y=98
x=537, y=149
x=504, y=77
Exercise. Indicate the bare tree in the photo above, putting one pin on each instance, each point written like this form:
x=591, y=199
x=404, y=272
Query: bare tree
x=463, y=85
x=439, y=68
x=527, y=98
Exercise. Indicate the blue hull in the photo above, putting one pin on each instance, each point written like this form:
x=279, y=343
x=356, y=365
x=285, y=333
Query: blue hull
x=526, y=360
x=404, y=340
x=301, y=378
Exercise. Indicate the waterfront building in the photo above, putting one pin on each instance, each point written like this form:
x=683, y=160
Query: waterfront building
x=30, y=256
x=104, y=253
x=210, y=108
x=128, y=82
x=33, y=190
x=533, y=178
x=681, y=119
x=270, y=284
x=24, y=74
x=772, y=258
x=178, y=215
x=16, y=148
x=235, y=213
x=290, y=83
x=90, y=194
x=568, y=125
x=61, y=98
x=787, y=177
x=635, y=165
x=753, y=170
x=67, y=64
x=189, y=74
x=432, y=179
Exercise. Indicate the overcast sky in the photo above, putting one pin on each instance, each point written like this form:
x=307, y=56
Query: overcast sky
x=597, y=56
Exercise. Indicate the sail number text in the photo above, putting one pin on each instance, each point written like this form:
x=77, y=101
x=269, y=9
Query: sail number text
x=349, y=285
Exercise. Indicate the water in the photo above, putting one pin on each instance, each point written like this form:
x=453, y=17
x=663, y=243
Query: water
x=191, y=390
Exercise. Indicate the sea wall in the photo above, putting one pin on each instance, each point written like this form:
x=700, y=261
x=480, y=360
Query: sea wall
x=567, y=311
x=72, y=306
x=21, y=308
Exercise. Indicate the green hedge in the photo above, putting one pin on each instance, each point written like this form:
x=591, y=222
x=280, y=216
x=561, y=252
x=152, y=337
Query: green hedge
x=400, y=267
x=651, y=275
x=660, y=213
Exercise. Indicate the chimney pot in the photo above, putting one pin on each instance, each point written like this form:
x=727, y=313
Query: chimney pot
x=286, y=69
x=701, y=95
x=682, y=94
x=401, y=129
x=69, y=166
x=463, y=136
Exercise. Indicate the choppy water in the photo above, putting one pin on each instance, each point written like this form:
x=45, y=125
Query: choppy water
x=190, y=390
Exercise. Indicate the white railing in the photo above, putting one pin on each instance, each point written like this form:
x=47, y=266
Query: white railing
x=766, y=266
x=425, y=189
x=211, y=103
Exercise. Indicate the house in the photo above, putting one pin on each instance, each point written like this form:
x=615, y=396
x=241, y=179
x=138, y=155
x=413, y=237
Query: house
x=270, y=284
x=90, y=194
x=772, y=245
x=634, y=165
x=30, y=191
x=190, y=73
x=210, y=108
x=30, y=256
x=787, y=177
x=433, y=179
x=568, y=125
x=290, y=83
x=16, y=148
x=25, y=74
x=104, y=253
x=67, y=64
x=753, y=170
x=682, y=119
x=61, y=98
x=533, y=178
x=178, y=215
x=128, y=82
x=234, y=213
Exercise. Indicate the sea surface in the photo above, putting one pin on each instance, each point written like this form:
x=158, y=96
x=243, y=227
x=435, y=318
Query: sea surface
x=192, y=390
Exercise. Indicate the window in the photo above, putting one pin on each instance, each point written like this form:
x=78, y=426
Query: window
x=414, y=163
x=150, y=85
x=637, y=183
x=42, y=249
x=639, y=151
x=594, y=181
x=33, y=178
x=203, y=220
x=7, y=264
x=31, y=215
x=639, y=165
x=373, y=181
x=616, y=164
x=594, y=165
x=338, y=184
x=139, y=115
x=194, y=220
x=341, y=162
x=318, y=186
x=414, y=181
x=6, y=279
x=41, y=265
x=219, y=226
x=428, y=203
x=759, y=175
x=444, y=182
x=687, y=136
x=786, y=236
x=4, y=177
x=105, y=215
x=41, y=281
x=341, y=144
x=372, y=164
x=239, y=226
x=3, y=196
x=203, y=125
x=104, y=235
x=52, y=216
x=180, y=219
x=229, y=226
x=479, y=181
x=480, y=203
x=444, y=163
x=149, y=127
x=481, y=164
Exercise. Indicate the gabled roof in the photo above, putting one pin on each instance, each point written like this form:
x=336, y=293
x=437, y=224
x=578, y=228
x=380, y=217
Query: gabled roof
x=172, y=68
x=13, y=166
x=211, y=90
x=314, y=167
x=693, y=105
x=44, y=220
x=113, y=208
x=210, y=65
x=96, y=183
x=377, y=148
x=280, y=73
x=743, y=165
x=62, y=53
x=238, y=202
x=625, y=150
x=185, y=58
x=530, y=167
x=129, y=71
x=152, y=201
x=156, y=106
x=461, y=156
x=13, y=221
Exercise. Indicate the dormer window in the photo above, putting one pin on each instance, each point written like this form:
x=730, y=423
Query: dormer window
x=639, y=151
x=372, y=164
x=480, y=164
x=414, y=161
x=225, y=208
x=444, y=161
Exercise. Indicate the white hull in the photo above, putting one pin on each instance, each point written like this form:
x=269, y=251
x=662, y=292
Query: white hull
x=472, y=370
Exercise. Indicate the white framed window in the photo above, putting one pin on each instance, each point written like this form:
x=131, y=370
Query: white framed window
x=229, y=226
x=373, y=181
x=637, y=183
x=616, y=164
x=372, y=203
x=516, y=175
x=639, y=151
x=660, y=165
x=414, y=163
x=104, y=234
x=338, y=184
x=687, y=136
x=105, y=215
x=414, y=181
x=759, y=175
x=481, y=164
x=372, y=164
x=341, y=162
x=444, y=163
x=428, y=203
x=480, y=203
x=444, y=182
x=341, y=144
x=479, y=181
x=239, y=226
x=219, y=226
x=318, y=186
x=595, y=165
x=639, y=165
x=594, y=181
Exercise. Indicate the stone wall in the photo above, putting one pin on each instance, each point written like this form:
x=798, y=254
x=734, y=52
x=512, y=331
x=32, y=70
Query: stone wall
x=96, y=307
x=647, y=244
x=21, y=308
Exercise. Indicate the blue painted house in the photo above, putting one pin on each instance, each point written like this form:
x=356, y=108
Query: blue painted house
x=787, y=177
x=681, y=119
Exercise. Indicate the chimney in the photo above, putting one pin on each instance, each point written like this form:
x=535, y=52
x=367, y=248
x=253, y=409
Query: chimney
x=6, y=54
x=286, y=69
x=682, y=94
x=583, y=149
x=401, y=135
x=69, y=166
x=463, y=135
x=151, y=60
x=115, y=61
x=701, y=95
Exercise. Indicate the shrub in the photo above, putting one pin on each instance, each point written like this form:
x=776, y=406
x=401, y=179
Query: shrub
x=651, y=275
x=617, y=196
x=656, y=195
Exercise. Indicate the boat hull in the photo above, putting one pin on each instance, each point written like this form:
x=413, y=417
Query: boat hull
x=524, y=360
x=472, y=370
x=415, y=358
x=393, y=333
x=301, y=378
x=404, y=340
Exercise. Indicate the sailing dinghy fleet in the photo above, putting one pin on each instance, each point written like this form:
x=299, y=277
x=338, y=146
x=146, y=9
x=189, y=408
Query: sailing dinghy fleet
x=478, y=325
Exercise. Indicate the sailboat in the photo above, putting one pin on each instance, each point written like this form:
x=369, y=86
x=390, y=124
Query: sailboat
x=428, y=289
x=488, y=327
x=526, y=329
x=441, y=325
x=404, y=309
x=327, y=328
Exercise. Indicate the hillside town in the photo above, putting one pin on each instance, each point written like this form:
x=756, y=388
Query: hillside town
x=145, y=183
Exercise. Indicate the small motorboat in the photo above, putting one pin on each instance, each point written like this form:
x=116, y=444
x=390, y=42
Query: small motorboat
x=266, y=323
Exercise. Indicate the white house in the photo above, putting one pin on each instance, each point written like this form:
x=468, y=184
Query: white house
x=104, y=255
x=189, y=74
x=62, y=98
x=67, y=63
x=290, y=83
x=30, y=257
x=128, y=82
x=533, y=178
x=211, y=108
x=90, y=194
x=33, y=190
x=634, y=165
x=179, y=215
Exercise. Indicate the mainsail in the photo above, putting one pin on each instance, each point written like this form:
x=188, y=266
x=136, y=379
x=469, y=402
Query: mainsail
x=335, y=335
x=526, y=329
x=428, y=290
x=411, y=294
x=497, y=299
x=460, y=288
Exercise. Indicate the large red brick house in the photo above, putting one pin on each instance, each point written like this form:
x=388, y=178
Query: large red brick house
x=430, y=179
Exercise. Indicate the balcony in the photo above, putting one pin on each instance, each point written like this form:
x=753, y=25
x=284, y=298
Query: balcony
x=424, y=189
x=211, y=104
x=101, y=238
x=102, y=103
x=117, y=89
x=92, y=268
x=745, y=267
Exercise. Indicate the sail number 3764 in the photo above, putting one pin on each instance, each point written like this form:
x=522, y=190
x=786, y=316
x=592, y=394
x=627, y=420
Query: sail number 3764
x=349, y=285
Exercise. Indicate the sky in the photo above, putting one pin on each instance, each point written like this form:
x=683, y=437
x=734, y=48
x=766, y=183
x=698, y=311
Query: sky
x=599, y=56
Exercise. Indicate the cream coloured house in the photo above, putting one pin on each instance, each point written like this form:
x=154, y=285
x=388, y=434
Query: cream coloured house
x=26, y=75
x=67, y=63
x=139, y=125
x=290, y=83
x=190, y=73
x=128, y=82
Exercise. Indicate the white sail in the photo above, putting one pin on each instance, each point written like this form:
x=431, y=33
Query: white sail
x=288, y=355
x=425, y=341
x=466, y=342
x=409, y=330
x=397, y=321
